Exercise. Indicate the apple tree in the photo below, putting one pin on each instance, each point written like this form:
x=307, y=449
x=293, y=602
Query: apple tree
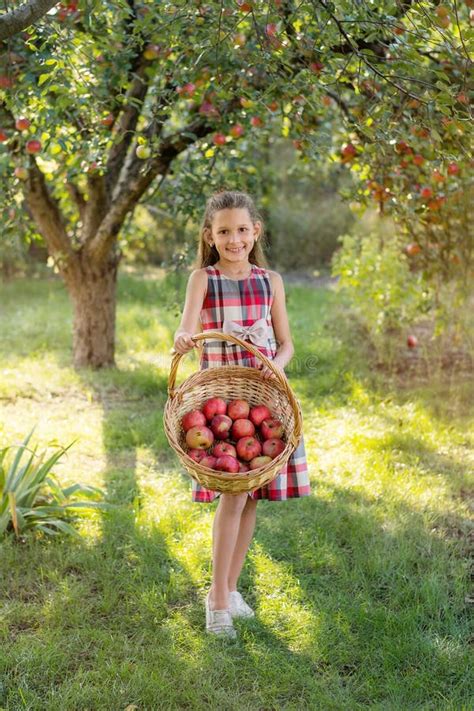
x=105, y=101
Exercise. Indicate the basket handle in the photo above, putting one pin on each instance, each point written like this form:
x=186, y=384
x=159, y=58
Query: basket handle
x=231, y=339
x=279, y=374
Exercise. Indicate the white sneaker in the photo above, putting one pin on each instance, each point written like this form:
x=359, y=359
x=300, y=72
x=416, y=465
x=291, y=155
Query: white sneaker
x=238, y=607
x=219, y=622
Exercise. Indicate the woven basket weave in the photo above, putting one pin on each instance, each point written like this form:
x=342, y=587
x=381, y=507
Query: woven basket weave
x=231, y=382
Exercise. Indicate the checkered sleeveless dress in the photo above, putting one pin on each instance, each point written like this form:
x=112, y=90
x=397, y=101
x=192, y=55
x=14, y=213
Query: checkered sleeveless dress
x=245, y=301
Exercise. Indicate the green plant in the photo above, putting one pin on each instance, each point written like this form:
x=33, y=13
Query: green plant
x=31, y=497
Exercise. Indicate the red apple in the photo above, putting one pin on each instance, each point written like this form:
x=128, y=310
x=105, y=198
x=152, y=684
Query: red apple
x=256, y=121
x=348, y=152
x=316, y=67
x=426, y=193
x=3, y=136
x=33, y=146
x=258, y=414
x=214, y=406
x=453, y=169
x=418, y=159
x=209, y=461
x=219, y=139
x=238, y=409
x=194, y=418
x=197, y=454
x=243, y=467
x=412, y=249
x=412, y=341
x=259, y=462
x=222, y=448
x=242, y=428
x=6, y=82
x=248, y=448
x=107, y=121
x=220, y=425
x=273, y=447
x=237, y=130
x=271, y=428
x=199, y=438
x=226, y=463
x=22, y=124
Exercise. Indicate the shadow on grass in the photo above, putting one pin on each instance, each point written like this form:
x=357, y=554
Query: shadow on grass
x=386, y=596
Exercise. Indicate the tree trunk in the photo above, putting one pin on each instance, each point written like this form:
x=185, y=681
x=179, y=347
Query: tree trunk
x=92, y=289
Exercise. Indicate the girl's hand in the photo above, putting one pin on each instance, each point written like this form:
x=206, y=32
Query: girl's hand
x=183, y=343
x=267, y=374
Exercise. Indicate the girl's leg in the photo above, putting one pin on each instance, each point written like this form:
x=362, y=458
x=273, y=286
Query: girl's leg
x=246, y=530
x=225, y=532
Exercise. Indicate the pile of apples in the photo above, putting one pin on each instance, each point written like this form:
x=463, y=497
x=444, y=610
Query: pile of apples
x=232, y=437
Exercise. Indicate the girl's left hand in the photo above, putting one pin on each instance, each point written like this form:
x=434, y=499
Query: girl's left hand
x=267, y=374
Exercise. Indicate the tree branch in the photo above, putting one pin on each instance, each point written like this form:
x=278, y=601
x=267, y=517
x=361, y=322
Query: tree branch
x=135, y=183
x=47, y=216
x=13, y=22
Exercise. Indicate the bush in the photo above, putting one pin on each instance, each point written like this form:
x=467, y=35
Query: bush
x=389, y=296
x=30, y=496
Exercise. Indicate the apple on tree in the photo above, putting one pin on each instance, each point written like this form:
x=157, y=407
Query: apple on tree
x=22, y=124
x=33, y=146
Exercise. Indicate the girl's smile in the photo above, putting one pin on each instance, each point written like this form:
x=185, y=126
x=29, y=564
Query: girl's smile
x=234, y=235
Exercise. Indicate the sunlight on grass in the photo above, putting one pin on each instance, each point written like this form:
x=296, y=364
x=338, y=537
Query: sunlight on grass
x=280, y=602
x=359, y=589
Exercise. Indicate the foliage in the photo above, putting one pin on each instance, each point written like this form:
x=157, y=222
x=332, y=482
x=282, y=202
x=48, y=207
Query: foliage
x=390, y=295
x=30, y=496
x=375, y=274
x=122, y=99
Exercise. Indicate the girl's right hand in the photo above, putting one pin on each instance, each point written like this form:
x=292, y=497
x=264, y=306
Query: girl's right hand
x=183, y=343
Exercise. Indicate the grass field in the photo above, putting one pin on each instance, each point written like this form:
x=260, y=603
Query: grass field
x=361, y=590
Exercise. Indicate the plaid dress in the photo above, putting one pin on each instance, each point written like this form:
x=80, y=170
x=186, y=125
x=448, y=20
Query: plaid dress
x=245, y=301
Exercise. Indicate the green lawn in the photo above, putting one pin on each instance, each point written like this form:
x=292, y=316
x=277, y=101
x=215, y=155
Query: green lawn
x=361, y=590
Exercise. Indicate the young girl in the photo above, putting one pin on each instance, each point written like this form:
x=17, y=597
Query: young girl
x=232, y=288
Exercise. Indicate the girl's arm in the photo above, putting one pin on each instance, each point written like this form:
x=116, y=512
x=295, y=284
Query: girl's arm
x=281, y=325
x=195, y=293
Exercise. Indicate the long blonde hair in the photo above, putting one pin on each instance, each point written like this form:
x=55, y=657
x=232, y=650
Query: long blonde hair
x=224, y=200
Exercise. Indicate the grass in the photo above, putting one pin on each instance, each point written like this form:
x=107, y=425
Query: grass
x=361, y=590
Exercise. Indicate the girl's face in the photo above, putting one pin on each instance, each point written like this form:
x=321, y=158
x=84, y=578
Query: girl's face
x=233, y=233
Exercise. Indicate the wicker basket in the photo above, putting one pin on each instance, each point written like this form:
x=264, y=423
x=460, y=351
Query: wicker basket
x=231, y=382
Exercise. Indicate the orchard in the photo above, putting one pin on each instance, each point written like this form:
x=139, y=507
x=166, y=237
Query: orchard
x=124, y=499
x=101, y=106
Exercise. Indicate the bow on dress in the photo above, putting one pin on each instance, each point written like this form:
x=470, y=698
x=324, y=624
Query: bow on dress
x=257, y=333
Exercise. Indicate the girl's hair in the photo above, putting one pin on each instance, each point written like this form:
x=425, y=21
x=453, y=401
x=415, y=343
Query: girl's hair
x=223, y=200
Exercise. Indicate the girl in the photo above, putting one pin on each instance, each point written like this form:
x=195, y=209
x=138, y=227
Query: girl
x=232, y=288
